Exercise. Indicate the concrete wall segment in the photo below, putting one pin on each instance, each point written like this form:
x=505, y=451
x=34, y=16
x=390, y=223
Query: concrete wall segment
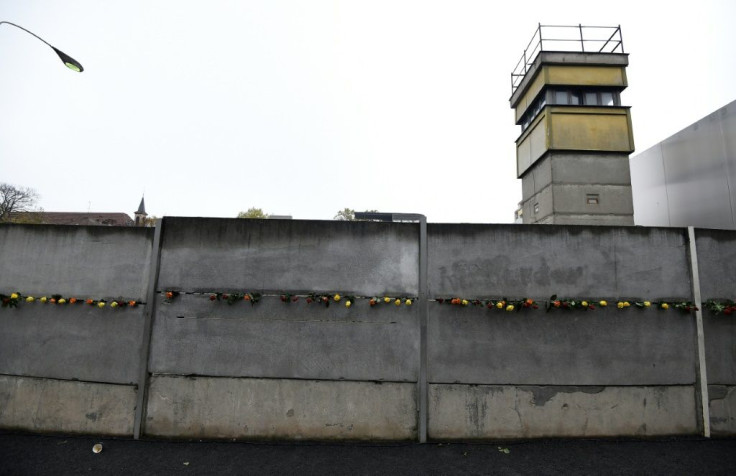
x=537, y=261
x=287, y=409
x=86, y=261
x=68, y=342
x=483, y=412
x=278, y=340
x=716, y=258
x=604, y=347
x=46, y=405
x=362, y=258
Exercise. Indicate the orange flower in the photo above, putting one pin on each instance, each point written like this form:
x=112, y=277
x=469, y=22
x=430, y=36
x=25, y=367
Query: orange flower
x=89, y=301
x=169, y=295
x=72, y=300
x=132, y=303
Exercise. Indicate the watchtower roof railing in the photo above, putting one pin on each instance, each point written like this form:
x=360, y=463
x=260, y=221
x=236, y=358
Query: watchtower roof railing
x=567, y=38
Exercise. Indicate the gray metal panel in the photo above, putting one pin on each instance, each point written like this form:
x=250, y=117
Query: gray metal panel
x=649, y=188
x=699, y=166
x=696, y=175
x=277, y=340
x=366, y=258
x=475, y=345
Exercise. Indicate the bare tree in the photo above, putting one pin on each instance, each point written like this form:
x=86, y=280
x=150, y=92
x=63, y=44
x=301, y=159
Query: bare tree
x=15, y=200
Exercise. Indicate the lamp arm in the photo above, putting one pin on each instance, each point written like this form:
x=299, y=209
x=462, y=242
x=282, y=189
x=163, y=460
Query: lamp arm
x=27, y=31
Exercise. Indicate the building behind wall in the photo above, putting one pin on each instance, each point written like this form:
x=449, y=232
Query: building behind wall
x=689, y=179
x=576, y=136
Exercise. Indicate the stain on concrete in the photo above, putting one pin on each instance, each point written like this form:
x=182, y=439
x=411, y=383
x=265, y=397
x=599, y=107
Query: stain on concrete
x=542, y=395
x=290, y=413
x=91, y=416
x=717, y=392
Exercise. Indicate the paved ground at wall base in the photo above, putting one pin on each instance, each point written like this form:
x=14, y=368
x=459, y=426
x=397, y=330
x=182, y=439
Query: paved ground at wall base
x=59, y=455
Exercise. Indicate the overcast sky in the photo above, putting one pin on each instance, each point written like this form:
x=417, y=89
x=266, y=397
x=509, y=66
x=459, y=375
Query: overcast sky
x=303, y=108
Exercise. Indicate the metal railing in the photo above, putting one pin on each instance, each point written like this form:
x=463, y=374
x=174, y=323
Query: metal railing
x=567, y=38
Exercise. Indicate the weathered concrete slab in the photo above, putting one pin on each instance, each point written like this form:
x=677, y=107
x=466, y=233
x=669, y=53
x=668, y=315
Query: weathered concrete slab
x=86, y=261
x=537, y=261
x=197, y=407
x=366, y=258
x=71, y=341
x=479, y=411
x=720, y=348
x=277, y=340
x=722, y=409
x=602, y=347
x=61, y=406
x=716, y=255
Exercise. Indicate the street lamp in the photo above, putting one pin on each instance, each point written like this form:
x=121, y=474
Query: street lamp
x=68, y=61
x=423, y=308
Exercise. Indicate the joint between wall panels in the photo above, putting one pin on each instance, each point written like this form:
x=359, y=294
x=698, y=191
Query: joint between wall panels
x=58, y=379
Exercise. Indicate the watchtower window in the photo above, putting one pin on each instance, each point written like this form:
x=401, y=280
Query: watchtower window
x=587, y=97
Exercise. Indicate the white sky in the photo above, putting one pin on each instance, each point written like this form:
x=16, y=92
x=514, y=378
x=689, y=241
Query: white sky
x=306, y=107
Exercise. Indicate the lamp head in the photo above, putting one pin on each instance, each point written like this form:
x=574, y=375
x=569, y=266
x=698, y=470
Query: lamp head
x=68, y=61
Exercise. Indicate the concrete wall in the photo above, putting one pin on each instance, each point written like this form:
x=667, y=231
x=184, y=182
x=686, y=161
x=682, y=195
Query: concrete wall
x=72, y=367
x=716, y=255
x=325, y=360
x=597, y=368
x=279, y=370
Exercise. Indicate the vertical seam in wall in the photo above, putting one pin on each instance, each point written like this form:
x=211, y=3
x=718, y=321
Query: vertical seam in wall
x=702, y=376
x=141, y=397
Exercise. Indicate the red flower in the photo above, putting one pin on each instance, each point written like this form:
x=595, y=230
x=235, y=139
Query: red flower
x=213, y=297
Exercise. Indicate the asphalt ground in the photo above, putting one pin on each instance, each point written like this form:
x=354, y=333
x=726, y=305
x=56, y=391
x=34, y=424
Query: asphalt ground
x=24, y=454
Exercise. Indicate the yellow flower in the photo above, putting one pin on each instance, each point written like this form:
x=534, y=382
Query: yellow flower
x=14, y=296
x=30, y=299
x=584, y=303
x=464, y=302
x=387, y=299
x=336, y=298
x=647, y=303
x=408, y=302
x=665, y=305
x=603, y=304
x=509, y=308
x=61, y=301
x=114, y=304
x=348, y=304
x=398, y=302
x=500, y=304
x=43, y=299
x=101, y=304
x=626, y=304
x=620, y=305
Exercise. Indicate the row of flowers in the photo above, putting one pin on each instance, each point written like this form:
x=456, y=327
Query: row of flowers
x=509, y=305
x=316, y=298
x=14, y=299
x=716, y=306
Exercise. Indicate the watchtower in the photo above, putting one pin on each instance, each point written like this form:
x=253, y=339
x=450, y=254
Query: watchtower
x=573, y=152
